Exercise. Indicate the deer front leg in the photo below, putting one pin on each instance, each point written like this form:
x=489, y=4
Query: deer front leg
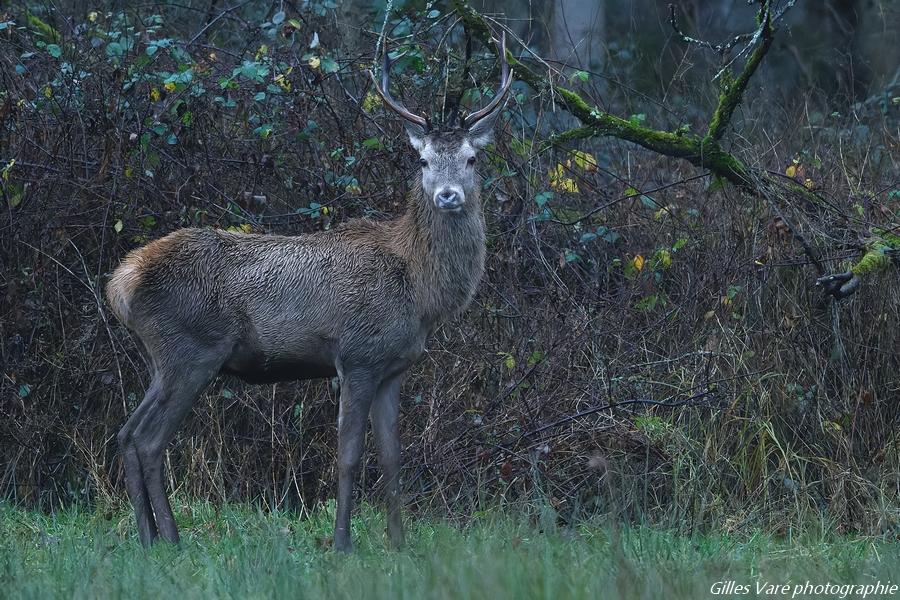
x=385, y=412
x=357, y=389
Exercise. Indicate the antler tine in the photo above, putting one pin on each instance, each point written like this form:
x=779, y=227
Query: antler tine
x=505, y=82
x=384, y=91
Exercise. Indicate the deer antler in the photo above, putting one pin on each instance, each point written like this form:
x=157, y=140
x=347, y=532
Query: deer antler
x=384, y=91
x=505, y=82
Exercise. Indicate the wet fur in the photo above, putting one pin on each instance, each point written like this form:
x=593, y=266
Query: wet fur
x=358, y=301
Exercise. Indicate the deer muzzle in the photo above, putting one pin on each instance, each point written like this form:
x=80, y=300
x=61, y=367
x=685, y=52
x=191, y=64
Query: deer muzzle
x=450, y=199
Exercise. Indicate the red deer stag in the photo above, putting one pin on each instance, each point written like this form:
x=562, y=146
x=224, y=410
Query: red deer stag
x=357, y=302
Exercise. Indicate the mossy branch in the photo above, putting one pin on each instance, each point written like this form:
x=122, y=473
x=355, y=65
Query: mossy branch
x=704, y=152
x=701, y=152
x=733, y=91
x=882, y=250
x=879, y=251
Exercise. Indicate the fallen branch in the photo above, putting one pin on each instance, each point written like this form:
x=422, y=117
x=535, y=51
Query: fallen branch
x=882, y=250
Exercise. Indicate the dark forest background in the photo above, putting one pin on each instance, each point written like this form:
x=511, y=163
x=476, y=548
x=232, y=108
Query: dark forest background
x=648, y=341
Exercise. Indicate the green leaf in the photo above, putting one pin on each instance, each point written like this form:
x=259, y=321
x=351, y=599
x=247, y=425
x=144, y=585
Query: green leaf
x=260, y=96
x=543, y=197
x=118, y=226
x=647, y=303
x=17, y=194
x=608, y=235
x=263, y=131
x=114, y=49
x=251, y=70
x=580, y=75
x=637, y=119
x=328, y=65
x=54, y=50
x=372, y=143
x=603, y=232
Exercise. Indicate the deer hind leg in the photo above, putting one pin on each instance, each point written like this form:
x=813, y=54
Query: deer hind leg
x=384, y=416
x=357, y=390
x=134, y=476
x=180, y=387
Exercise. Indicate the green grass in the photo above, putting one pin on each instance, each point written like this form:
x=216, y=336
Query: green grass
x=239, y=552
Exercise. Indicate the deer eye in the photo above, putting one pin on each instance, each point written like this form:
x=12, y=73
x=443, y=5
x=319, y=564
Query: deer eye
x=423, y=162
x=471, y=161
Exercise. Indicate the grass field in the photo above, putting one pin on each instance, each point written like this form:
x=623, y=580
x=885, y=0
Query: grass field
x=239, y=552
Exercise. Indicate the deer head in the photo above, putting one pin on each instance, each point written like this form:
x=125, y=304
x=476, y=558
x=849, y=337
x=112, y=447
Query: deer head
x=447, y=156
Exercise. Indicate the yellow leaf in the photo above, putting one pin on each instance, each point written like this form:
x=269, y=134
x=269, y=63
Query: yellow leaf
x=262, y=51
x=118, y=226
x=155, y=94
x=314, y=62
x=371, y=102
x=638, y=262
x=664, y=258
x=48, y=92
x=560, y=182
x=791, y=171
x=808, y=184
x=92, y=16
x=170, y=86
x=664, y=212
x=282, y=81
x=584, y=161
x=4, y=174
x=129, y=172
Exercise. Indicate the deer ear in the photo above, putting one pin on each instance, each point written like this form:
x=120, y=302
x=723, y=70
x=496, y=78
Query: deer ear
x=416, y=135
x=482, y=132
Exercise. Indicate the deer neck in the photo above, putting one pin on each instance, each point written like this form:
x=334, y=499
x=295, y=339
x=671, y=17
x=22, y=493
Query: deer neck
x=445, y=253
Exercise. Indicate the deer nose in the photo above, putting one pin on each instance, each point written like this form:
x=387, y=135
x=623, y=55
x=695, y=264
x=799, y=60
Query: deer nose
x=448, y=199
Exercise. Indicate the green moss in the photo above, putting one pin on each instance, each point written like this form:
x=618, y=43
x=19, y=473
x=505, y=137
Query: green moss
x=877, y=257
x=889, y=238
x=733, y=92
x=873, y=261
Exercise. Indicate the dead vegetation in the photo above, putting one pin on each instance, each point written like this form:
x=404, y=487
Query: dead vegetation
x=647, y=342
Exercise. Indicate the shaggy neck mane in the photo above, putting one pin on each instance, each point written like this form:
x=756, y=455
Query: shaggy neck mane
x=445, y=252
